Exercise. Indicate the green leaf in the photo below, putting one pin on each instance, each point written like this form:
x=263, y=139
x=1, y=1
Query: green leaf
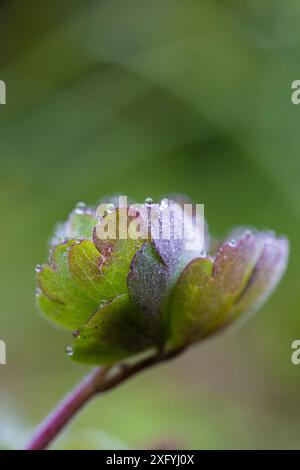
x=86, y=266
x=79, y=225
x=58, y=297
x=207, y=291
x=80, y=279
x=123, y=295
x=266, y=275
x=100, y=268
x=114, y=332
x=100, y=276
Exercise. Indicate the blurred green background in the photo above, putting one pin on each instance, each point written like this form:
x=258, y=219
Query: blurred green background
x=149, y=98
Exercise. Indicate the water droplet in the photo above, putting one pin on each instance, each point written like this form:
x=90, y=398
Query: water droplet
x=232, y=243
x=38, y=268
x=164, y=203
x=148, y=201
x=76, y=333
x=69, y=351
x=80, y=208
x=102, y=303
x=110, y=208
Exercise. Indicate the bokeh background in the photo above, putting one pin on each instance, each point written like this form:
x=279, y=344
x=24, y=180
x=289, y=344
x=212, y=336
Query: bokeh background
x=149, y=98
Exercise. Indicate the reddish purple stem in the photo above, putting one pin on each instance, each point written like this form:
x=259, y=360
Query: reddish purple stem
x=63, y=413
x=98, y=381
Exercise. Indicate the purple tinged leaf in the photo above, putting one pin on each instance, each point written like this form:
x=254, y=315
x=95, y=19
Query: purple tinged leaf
x=148, y=286
x=171, y=244
x=235, y=261
x=156, y=267
x=268, y=271
x=147, y=280
x=209, y=294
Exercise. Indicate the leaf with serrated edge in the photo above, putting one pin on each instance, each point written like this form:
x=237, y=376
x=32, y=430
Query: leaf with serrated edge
x=80, y=224
x=206, y=291
x=266, y=275
x=100, y=277
x=59, y=298
x=100, y=268
x=114, y=332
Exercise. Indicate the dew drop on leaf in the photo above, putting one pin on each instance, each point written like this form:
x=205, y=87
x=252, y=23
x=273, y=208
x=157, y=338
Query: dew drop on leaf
x=69, y=351
x=80, y=205
x=148, y=201
x=164, y=203
x=110, y=208
x=38, y=268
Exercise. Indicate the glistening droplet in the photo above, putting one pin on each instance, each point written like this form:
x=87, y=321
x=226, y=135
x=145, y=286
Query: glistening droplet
x=148, y=201
x=69, y=351
x=164, y=203
x=80, y=205
x=110, y=208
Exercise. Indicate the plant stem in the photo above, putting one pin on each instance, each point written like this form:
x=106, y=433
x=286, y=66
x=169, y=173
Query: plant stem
x=98, y=381
x=63, y=413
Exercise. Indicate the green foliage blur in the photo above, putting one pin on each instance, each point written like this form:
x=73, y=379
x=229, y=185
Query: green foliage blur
x=145, y=99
